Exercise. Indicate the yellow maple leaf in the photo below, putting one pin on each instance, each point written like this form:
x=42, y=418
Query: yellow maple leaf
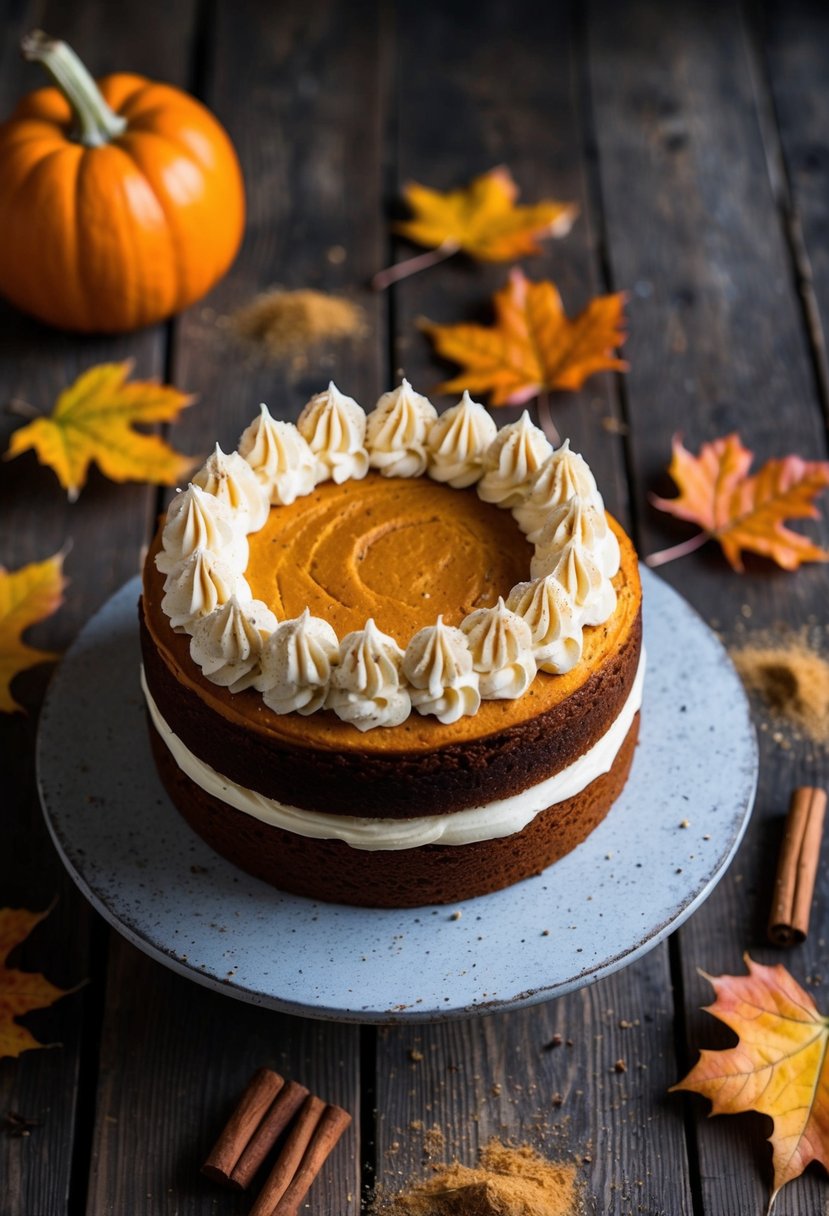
x=483, y=219
x=26, y=596
x=779, y=1067
x=21, y=991
x=93, y=420
x=533, y=345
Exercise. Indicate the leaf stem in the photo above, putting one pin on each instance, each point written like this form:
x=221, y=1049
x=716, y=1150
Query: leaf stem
x=22, y=409
x=95, y=123
x=669, y=555
x=545, y=417
x=421, y=261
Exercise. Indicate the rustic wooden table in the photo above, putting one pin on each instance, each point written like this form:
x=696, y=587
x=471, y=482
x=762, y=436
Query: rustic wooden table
x=693, y=137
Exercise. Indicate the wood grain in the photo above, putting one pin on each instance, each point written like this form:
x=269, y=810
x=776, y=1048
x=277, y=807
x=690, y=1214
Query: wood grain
x=106, y=529
x=718, y=343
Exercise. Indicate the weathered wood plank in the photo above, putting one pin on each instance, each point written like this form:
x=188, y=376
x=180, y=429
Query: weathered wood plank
x=298, y=90
x=794, y=37
x=718, y=343
x=106, y=529
x=477, y=90
x=175, y=1058
x=491, y=89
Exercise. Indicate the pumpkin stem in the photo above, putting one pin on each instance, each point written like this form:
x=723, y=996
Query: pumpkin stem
x=95, y=123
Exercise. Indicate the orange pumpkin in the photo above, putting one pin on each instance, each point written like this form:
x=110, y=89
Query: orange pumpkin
x=120, y=203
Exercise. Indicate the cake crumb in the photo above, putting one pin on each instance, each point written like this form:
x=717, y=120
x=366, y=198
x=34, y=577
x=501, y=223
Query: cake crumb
x=620, y=1066
x=415, y=1056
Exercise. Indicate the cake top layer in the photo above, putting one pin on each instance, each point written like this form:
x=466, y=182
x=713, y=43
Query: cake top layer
x=399, y=551
x=287, y=601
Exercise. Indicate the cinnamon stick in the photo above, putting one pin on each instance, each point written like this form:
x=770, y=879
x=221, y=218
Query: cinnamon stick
x=254, y=1103
x=285, y=1105
x=797, y=867
x=290, y=1156
x=326, y=1134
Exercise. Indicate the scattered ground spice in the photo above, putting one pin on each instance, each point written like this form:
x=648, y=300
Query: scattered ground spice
x=791, y=677
x=287, y=324
x=508, y=1181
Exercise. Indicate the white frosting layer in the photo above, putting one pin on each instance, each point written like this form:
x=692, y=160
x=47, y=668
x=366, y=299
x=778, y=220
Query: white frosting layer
x=501, y=818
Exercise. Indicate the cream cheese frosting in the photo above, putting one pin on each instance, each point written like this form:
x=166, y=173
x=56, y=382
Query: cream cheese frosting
x=579, y=520
x=280, y=458
x=334, y=426
x=575, y=568
x=512, y=461
x=227, y=644
x=502, y=651
x=553, y=621
x=563, y=475
x=489, y=822
x=366, y=681
x=366, y=686
x=396, y=431
x=458, y=442
x=228, y=477
x=442, y=679
x=198, y=520
x=296, y=665
x=196, y=586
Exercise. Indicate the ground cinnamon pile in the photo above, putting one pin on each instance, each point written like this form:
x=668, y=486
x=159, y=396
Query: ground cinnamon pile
x=791, y=677
x=508, y=1181
x=286, y=324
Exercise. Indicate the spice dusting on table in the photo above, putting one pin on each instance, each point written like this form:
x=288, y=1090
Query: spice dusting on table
x=791, y=677
x=286, y=324
x=508, y=1181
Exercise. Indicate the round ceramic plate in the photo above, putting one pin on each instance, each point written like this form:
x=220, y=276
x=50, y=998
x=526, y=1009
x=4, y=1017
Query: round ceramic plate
x=654, y=859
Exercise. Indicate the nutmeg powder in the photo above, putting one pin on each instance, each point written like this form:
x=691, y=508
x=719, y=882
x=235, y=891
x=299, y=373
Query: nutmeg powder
x=508, y=1181
x=284, y=324
x=791, y=678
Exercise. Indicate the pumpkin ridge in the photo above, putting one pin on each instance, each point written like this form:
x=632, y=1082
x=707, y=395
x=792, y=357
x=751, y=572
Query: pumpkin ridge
x=172, y=229
x=132, y=99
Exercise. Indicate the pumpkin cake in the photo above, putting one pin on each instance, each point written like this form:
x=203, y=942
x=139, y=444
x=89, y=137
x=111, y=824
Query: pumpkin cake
x=392, y=660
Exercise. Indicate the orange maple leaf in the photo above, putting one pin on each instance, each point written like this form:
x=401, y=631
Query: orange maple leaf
x=21, y=991
x=27, y=595
x=93, y=420
x=779, y=1067
x=533, y=346
x=741, y=511
x=483, y=218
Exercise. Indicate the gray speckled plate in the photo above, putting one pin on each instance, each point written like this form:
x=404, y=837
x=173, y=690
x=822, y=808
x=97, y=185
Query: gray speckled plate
x=637, y=877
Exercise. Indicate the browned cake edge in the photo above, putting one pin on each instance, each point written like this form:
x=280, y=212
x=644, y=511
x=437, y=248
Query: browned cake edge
x=470, y=773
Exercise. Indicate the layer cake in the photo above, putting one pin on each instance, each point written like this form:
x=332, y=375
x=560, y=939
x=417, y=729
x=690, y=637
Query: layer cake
x=393, y=660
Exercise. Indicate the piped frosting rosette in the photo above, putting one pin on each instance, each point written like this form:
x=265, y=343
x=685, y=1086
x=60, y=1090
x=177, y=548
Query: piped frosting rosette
x=366, y=678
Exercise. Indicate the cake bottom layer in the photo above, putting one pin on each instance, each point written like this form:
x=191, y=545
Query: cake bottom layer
x=333, y=871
